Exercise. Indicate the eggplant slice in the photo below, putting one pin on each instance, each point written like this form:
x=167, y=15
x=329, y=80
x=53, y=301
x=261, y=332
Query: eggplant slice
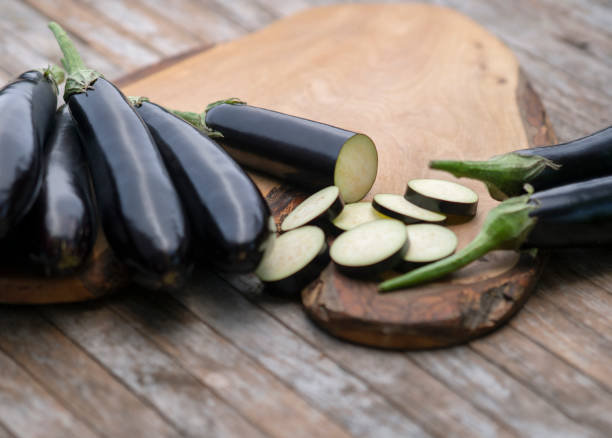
x=397, y=207
x=318, y=209
x=294, y=259
x=371, y=248
x=428, y=243
x=441, y=196
x=353, y=215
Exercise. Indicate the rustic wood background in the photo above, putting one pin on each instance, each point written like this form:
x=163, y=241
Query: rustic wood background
x=235, y=363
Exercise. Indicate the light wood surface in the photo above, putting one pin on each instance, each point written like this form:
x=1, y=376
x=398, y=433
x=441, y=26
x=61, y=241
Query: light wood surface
x=545, y=374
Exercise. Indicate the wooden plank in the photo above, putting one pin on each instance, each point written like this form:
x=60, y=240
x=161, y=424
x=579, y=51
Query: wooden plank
x=77, y=380
x=5, y=433
x=245, y=13
x=148, y=372
x=343, y=397
x=30, y=411
x=85, y=25
x=391, y=374
x=231, y=374
x=563, y=386
x=495, y=392
x=593, y=265
x=20, y=22
x=573, y=342
x=151, y=30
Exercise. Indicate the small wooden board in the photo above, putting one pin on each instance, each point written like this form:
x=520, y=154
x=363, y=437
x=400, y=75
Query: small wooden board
x=424, y=82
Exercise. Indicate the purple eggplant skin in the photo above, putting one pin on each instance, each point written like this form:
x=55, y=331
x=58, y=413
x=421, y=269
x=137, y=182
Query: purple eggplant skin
x=228, y=214
x=28, y=108
x=60, y=230
x=140, y=209
x=573, y=215
x=580, y=159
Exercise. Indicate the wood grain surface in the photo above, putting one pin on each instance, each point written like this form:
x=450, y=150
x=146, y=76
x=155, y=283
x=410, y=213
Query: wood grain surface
x=545, y=373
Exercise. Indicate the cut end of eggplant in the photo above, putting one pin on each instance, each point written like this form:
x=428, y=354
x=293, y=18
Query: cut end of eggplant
x=356, y=214
x=428, y=243
x=356, y=168
x=371, y=248
x=294, y=260
x=441, y=196
x=323, y=206
x=397, y=207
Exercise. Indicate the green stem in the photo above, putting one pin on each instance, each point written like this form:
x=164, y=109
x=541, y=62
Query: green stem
x=505, y=175
x=192, y=118
x=506, y=227
x=199, y=119
x=137, y=100
x=80, y=78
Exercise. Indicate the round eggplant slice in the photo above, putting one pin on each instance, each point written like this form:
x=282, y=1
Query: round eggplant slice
x=318, y=209
x=442, y=196
x=371, y=248
x=397, y=207
x=294, y=260
x=428, y=243
x=353, y=215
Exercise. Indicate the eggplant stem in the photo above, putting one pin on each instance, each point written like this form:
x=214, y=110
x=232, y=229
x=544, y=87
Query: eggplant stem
x=80, y=78
x=230, y=101
x=504, y=175
x=506, y=227
x=138, y=100
x=198, y=120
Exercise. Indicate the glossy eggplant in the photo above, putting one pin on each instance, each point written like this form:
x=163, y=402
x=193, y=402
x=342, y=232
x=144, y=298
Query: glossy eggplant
x=60, y=230
x=541, y=167
x=310, y=154
x=28, y=107
x=574, y=215
x=227, y=212
x=141, y=212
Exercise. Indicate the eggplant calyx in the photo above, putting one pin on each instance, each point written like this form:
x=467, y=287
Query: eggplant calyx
x=138, y=100
x=230, y=101
x=504, y=175
x=55, y=75
x=197, y=120
x=80, y=78
x=505, y=227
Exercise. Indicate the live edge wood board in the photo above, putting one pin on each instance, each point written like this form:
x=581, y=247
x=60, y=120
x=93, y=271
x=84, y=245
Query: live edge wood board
x=423, y=82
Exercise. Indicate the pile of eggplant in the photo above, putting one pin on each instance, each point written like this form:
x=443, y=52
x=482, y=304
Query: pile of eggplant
x=165, y=194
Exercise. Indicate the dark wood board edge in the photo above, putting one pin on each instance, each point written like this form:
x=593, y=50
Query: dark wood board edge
x=482, y=306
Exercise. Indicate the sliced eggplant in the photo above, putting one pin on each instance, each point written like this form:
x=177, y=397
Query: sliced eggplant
x=428, y=243
x=441, y=196
x=304, y=152
x=397, y=207
x=370, y=249
x=353, y=215
x=293, y=260
x=318, y=209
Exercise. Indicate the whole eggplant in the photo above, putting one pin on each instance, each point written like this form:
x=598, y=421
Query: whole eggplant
x=28, y=108
x=60, y=230
x=228, y=214
x=141, y=212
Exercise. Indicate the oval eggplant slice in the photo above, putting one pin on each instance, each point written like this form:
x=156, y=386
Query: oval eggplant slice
x=371, y=248
x=294, y=260
x=307, y=153
x=442, y=196
x=428, y=243
x=397, y=207
x=318, y=209
x=353, y=215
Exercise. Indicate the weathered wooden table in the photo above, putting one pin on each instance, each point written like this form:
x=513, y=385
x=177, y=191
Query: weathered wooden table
x=237, y=363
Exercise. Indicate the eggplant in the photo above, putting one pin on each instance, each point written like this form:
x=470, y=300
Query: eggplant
x=355, y=214
x=140, y=210
x=318, y=209
x=229, y=216
x=576, y=215
x=541, y=167
x=310, y=154
x=428, y=243
x=28, y=108
x=60, y=230
x=397, y=207
x=441, y=196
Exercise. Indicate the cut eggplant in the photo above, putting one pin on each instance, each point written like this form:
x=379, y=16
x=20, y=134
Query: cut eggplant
x=397, y=207
x=305, y=152
x=442, y=196
x=428, y=243
x=318, y=209
x=371, y=248
x=294, y=260
x=353, y=215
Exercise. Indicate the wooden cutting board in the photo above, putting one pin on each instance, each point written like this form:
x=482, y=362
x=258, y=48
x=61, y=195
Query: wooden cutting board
x=423, y=82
